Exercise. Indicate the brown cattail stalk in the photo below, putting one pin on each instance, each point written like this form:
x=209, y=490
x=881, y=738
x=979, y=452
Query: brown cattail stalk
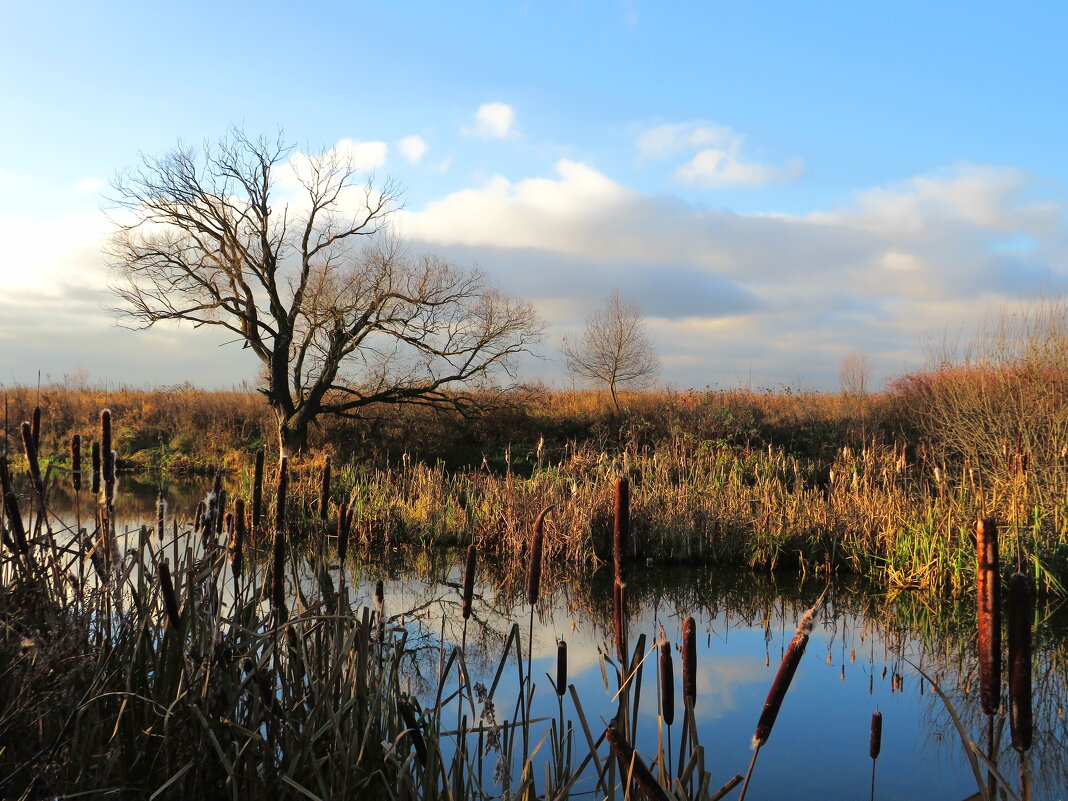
x=237, y=544
x=257, y=493
x=161, y=510
x=31, y=459
x=534, y=567
x=988, y=585
x=108, y=456
x=561, y=668
x=76, y=462
x=220, y=511
x=94, y=455
x=278, y=594
x=324, y=496
x=170, y=601
x=469, y=582
x=689, y=660
x=344, y=521
x=632, y=766
x=1020, y=616
x=667, y=684
x=621, y=528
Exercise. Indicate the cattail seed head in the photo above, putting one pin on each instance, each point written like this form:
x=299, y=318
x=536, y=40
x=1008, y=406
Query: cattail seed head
x=94, y=455
x=237, y=542
x=220, y=511
x=76, y=462
x=667, y=684
x=875, y=744
x=534, y=567
x=31, y=459
x=278, y=592
x=380, y=596
x=469, y=582
x=170, y=602
x=411, y=723
x=988, y=586
x=15, y=525
x=161, y=512
x=108, y=456
x=633, y=766
x=324, y=496
x=621, y=527
x=791, y=659
x=689, y=660
x=561, y=668
x=1020, y=616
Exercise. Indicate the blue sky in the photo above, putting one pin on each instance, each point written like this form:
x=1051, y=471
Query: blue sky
x=775, y=184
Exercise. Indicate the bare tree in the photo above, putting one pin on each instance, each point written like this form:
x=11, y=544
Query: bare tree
x=854, y=373
x=248, y=236
x=614, y=350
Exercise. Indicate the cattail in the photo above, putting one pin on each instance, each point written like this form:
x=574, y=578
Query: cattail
x=324, y=498
x=875, y=744
x=278, y=594
x=343, y=522
x=170, y=602
x=689, y=660
x=76, y=462
x=632, y=766
x=220, y=511
x=14, y=522
x=161, y=510
x=534, y=568
x=667, y=684
x=257, y=493
x=1020, y=615
x=198, y=516
x=31, y=459
x=621, y=528
x=380, y=596
x=988, y=586
x=237, y=543
x=94, y=455
x=35, y=427
x=412, y=725
x=561, y=668
x=779, y=687
x=469, y=582
x=108, y=456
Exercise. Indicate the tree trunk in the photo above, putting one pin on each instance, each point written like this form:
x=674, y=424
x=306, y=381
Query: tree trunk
x=292, y=435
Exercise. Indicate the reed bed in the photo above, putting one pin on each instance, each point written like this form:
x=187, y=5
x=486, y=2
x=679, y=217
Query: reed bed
x=222, y=659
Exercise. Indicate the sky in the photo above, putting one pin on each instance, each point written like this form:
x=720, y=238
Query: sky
x=776, y=185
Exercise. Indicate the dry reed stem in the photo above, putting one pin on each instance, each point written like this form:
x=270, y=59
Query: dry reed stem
x=988, y=586
x=1020, y=617
x=35, y=427
x=469, y=582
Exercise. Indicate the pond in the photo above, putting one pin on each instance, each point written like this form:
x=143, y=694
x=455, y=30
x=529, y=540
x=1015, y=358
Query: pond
x=867, y=652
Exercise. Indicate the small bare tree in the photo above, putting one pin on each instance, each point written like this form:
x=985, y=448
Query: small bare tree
x=244, y=237
x=854, y=374
x=614, y=350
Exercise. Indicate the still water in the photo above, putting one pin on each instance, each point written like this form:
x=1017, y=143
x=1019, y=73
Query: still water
x=866, y=653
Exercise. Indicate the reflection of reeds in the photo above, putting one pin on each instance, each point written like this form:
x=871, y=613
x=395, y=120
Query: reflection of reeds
x=278, y=593
x=257, y=494
x=1020, y=615
x=469, y=582
x=689, y=660
x=107, y=455
x=324, y=495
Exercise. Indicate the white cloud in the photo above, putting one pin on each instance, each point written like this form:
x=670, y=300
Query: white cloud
x=89, y=186
x=718, y=161
x=362, y=155
x=493, y=121
x=413, y=148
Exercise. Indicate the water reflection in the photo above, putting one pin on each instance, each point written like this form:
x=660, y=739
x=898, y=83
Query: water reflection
x=863, y=655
